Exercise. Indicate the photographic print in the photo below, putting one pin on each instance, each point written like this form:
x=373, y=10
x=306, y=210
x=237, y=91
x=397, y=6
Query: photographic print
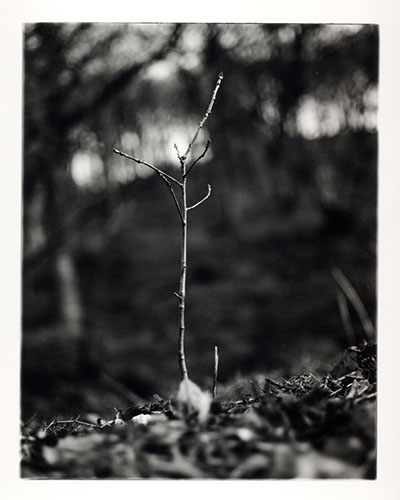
x=199, y=251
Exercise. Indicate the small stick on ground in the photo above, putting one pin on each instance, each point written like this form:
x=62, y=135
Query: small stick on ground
x=72, y=421
x=216, y=358
x=276, y=384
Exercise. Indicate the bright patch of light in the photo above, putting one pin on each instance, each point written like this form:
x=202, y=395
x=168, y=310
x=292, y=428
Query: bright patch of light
x=190, y=61
x=228, y=38
x=129, y=141
x=316, y=119
x=269, y=112
x=160, y=70
x=370, y=120
x=307, y=119
x=330, y=34
x=371, y=97
x=87, y=170
x=333, y=32
x=122, y=171
x=191, y=44
x=156, y=146
x=194, y=37
x=287, y=34
x=158, y=139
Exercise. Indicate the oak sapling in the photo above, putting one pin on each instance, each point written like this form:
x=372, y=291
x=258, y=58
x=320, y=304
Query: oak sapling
x=181, y=203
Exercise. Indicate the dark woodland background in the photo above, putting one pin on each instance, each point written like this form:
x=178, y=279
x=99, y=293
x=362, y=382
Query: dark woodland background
x=293, y=167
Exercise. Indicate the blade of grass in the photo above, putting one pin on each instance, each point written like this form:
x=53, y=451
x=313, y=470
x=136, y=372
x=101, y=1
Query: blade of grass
x=355, y=300
x=345, y=317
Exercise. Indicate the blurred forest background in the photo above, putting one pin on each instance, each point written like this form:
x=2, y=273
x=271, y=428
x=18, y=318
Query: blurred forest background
x=293, y=167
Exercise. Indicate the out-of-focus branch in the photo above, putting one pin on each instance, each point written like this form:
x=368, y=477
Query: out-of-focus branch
x=119, y=81
x=345, y=317
x=78, y=30
x=96, y=51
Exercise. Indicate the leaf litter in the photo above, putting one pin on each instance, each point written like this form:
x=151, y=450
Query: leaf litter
x=303, y=426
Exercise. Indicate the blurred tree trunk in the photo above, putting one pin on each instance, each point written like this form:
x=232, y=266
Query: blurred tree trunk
x=56, y=61
x=71, y=308
x=67, y=297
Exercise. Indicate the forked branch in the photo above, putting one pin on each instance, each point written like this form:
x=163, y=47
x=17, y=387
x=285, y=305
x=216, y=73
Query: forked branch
x=203, y=154
x=164, y=176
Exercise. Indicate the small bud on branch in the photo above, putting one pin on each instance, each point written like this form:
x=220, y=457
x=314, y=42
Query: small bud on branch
x=207, y=113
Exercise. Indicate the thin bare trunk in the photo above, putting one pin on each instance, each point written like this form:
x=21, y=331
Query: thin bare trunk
x=182, y=286
x=71, y=307
x=183, y=210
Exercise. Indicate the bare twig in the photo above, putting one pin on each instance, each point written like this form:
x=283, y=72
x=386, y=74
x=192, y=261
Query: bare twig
x=141, y=162
x=276, y=384
x=216, y=359
x=354, y=298
x=164, y=176
x=364, y=398
x=203, y=200
x=203, y=154
x=72, y=421
x=181, y=161
x=50, y=425
x=207, y=113
x=182, y=281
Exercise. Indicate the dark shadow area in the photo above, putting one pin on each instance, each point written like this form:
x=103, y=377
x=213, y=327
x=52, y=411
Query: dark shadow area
x=293, y=169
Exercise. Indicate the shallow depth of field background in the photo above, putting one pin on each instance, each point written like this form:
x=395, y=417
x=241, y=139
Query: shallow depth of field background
x=293, y=168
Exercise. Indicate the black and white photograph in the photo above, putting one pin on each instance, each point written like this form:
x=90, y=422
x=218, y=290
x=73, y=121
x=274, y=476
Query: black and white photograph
x=199, y=256
x=199, y=251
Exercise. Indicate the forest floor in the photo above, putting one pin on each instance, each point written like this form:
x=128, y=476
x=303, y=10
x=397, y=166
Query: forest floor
x=304, y=426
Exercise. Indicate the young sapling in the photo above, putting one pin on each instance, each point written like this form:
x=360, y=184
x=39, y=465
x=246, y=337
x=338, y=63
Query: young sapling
x=181, y=203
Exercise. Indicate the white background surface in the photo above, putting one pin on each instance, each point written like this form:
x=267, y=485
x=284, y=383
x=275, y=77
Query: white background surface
x=383, y=12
